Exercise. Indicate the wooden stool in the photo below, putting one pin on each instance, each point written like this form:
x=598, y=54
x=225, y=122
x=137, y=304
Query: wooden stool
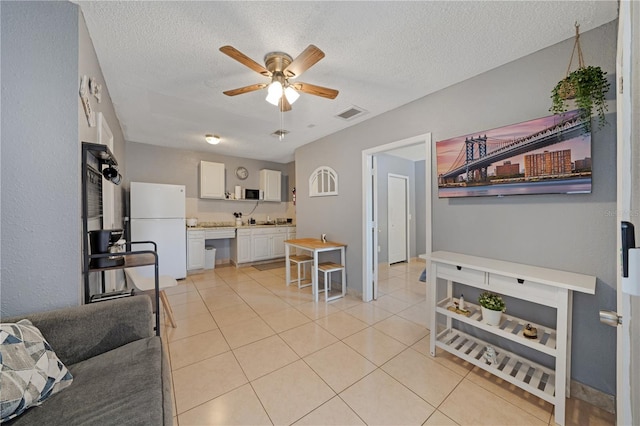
x=303, y=260
x=327, y=268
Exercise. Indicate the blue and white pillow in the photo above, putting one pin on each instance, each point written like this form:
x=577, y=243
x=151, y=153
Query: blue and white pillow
x=30, y=371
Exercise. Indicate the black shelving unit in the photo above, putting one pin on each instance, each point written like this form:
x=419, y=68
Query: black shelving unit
x=94, y=157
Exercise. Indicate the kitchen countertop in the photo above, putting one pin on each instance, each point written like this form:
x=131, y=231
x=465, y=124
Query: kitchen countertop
x=225, y=226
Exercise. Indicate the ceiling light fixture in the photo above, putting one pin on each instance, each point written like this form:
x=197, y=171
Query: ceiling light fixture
x=280, y=67
x=212, y=139
x=279, y=88
x=274, y=93
x=291, y=94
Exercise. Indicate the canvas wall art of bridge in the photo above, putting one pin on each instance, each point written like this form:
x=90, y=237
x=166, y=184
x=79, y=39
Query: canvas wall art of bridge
x=546, y=155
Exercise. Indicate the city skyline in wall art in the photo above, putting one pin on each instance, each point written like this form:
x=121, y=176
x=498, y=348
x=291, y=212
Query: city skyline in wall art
x=548, y=155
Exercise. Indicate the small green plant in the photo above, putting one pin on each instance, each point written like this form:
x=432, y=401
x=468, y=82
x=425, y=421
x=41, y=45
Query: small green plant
x=492, y=301
x=587, y=86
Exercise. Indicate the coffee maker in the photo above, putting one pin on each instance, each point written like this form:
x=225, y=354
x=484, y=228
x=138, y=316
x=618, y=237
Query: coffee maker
x=105, y=241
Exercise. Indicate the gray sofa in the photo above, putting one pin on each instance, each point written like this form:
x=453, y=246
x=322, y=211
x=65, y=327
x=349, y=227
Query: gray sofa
x=120, y=371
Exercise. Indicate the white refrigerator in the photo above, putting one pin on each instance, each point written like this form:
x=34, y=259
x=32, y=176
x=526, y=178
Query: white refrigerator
x=158, y=214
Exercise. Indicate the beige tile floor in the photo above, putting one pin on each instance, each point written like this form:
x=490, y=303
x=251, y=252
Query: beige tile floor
x=250, y=350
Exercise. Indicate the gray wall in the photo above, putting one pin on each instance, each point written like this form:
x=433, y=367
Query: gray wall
x=88, y=65
x=400, y=166
x=40, y=157
x=45, y=47
x=151, y=163
x=569, y=232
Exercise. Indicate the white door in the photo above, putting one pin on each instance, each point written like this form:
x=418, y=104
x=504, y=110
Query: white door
x=628, y=149
x=397, y=218
x=375, y=247
x=370, y=239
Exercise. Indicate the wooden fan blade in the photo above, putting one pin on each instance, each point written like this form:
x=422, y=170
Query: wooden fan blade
x=304, y=61
x=312, y=89
x=284, y=104
x=245, y=60
x=245, y=89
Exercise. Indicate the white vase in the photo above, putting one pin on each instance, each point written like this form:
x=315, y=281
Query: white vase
x=491, y=317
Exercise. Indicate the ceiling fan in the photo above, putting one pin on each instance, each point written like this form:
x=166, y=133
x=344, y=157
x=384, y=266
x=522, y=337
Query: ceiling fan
x=280, y=67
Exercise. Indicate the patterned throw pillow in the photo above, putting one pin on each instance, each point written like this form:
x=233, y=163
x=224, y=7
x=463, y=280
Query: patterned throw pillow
x=30, y=371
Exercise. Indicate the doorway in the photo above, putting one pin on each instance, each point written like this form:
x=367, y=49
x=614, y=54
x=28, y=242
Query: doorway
x=370, y=231
x=397, y=218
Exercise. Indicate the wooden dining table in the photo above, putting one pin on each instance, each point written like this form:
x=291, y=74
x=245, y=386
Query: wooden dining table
x=316, y=246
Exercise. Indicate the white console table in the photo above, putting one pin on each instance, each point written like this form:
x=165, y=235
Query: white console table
x=544, y=286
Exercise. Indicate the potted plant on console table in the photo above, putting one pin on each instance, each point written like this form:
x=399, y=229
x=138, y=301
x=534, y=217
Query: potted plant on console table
x=492, y=307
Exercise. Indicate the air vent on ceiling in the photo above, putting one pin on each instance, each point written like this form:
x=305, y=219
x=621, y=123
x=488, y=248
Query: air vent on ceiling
x=351, y=113
x=280, y=133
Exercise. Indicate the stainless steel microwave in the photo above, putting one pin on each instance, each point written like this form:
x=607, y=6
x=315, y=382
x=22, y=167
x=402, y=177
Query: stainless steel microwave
x=253, y=194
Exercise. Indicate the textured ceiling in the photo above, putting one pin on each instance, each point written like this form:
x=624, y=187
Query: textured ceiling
x=166, y=76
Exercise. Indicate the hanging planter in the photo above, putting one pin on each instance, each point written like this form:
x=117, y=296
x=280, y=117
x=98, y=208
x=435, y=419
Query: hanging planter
x=586, y=86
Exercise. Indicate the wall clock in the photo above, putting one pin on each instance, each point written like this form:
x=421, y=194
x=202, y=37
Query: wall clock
x=242, y=173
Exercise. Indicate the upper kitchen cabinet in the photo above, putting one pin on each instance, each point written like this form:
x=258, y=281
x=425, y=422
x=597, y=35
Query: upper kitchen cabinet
x=211, y=180
x=270, y=184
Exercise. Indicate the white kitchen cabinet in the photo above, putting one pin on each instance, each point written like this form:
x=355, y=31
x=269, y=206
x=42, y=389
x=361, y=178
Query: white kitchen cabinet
x=261, y=247
x=244, y=248
x=277, y=244
x=241, y=247
x=547, y=287
x=195, y=249
x=260, y=243
x=270, y=184
x=212, y=180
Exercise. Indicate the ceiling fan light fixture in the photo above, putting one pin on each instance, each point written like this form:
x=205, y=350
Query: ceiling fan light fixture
x=212, y=139
x=291, y=94
x=274, y=93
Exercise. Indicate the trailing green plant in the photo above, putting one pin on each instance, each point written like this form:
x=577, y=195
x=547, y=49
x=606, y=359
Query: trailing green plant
x=587, y=86
x=492, y=301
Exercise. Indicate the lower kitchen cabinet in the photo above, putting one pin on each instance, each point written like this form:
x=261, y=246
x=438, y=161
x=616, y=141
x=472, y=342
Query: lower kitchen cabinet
x=277, y=244
x=242, y=246
x=261, y=247
x=195, y=250
x=258, y=244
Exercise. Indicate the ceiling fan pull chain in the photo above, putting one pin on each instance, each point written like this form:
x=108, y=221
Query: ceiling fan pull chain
x=281, y=136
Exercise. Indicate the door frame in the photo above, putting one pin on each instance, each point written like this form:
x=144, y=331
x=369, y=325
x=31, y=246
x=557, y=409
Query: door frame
x=627, y=112
x=407, y=215
x=369, y=214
